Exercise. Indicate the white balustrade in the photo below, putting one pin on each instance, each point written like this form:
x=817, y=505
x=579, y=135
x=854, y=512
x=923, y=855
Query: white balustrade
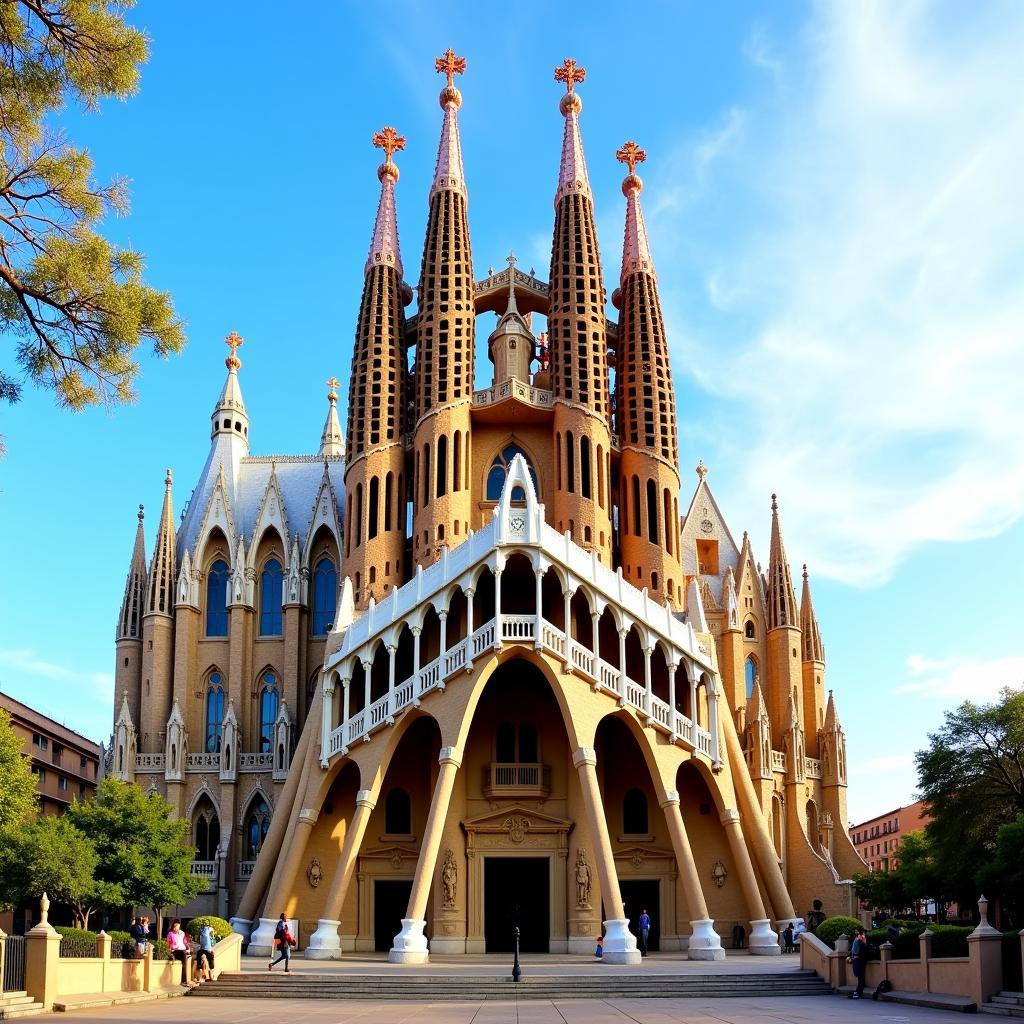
x=812, y=768
x=778, y=761
x=483, y=638
x=202, y=762
x=262, y=762
x=636, y=695
x=582, y=659
x=245, y=868
x=146, y=763
x=703, y=741
x=205, y=868
x=517, y=627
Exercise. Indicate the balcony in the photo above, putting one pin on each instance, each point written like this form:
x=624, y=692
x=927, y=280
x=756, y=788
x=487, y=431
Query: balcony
x=779, y=761
x=517, y=781
x=255, y=762
x=146, y=764
x=812, y=768
x=245, y=868
x=202, y=762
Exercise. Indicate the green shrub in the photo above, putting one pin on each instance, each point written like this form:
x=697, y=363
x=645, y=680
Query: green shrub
x=122, y=945
x=161, y=951
x=221, y=929
x=76, y=942
x=1012, y=980
x=950, y=940
x=832, y=927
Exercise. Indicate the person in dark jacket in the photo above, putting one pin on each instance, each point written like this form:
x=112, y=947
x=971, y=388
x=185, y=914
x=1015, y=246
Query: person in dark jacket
x=859, y=959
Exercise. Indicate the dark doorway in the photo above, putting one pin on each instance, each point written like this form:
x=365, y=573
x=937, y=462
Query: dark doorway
x=636, y=895
x=390, y=904
x=516, y=893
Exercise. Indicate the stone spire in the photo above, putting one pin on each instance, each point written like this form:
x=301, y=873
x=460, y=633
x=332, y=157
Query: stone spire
x=129, y=622
x=832, y=723
x=814, y=650
x=162, y=576
x=781, y=596
x=636, y=250
x=332, y=442
x=572, y=171
x=756, y=708
x=384, y=248
x=229, y=415
x=448, y=173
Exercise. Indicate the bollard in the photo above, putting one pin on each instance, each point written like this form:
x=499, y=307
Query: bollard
x=517, y=971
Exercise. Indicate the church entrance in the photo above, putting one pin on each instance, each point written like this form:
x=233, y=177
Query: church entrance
x=516, y=893
x=636, y=895
x=390, y=903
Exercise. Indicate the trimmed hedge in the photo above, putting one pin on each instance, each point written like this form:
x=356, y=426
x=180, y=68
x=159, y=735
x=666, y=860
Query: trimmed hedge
x=122, y=945
x=221, y=929
x=947, y=940
x=832, y=927
x=76, y=942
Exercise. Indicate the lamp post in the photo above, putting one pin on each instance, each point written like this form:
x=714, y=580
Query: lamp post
x=517, y=971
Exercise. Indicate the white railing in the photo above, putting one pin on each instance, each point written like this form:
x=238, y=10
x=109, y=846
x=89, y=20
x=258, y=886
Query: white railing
x=703, y=741
x=245, y=868
x=582, y=659
x=255, y=762
x=202, y=762
x=636, y=695
x=205, y=868
x=503, y=777
x=150, y=762
x=513, y=389
x=778, y=761
x=518, y=627
x=812, y=768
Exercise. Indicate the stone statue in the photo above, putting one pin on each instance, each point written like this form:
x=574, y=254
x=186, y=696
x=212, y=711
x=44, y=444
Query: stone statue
x=583, y=880
x=449, y=878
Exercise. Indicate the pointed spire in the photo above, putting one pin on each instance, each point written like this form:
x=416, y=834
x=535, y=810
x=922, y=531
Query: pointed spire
x=332, y=441
x=384, y=243
x=448, y=173
x=814, y=650
x=162, y=576
x=229, y=415
x=572, y=172
x=730, y=602
x=793, y=716
x=757, y=710
x=636, y=251
x=832, y=723
x=129, y=622
x=781, y=596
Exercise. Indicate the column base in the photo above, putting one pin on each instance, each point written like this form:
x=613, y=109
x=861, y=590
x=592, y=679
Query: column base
x=762, y=941
x=704, y=942
x=241, y=926
x=619, y=943
x=410, y=943
x=324, y=943
x=261, y=942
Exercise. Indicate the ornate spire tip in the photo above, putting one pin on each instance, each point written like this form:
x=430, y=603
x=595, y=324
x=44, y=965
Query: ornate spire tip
x=805, y=572
x=391, y=142
x=142, y=513
x=234, y=341
x=332, y=384
x=570, y=73
x=168, y=480
x=775, y=503
x=701, y=469
x=449, y=65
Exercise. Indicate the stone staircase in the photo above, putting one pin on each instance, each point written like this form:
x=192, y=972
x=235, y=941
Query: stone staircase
x=18, y=1004
x=1006, y=1004
x=462, y=988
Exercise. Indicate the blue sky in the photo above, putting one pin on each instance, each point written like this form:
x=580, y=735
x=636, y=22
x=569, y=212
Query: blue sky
x=833, y=198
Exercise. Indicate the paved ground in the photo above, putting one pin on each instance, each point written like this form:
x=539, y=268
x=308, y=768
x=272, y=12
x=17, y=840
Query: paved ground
x=803, y=1010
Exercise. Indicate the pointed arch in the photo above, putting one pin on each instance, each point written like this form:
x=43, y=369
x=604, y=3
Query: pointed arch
x=325, y=595
x=268, y=702
x=255, y=822
x=497, y=470
x=213, y=711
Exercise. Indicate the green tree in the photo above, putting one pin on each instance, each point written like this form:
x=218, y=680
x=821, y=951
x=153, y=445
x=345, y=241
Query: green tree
x=18, y=798
x=1003, y=876
x=882, y=890
x=76, y=304
x=141, y=847
x=50, y=855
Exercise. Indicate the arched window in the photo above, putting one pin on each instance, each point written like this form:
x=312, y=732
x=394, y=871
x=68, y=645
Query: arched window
x=257, y=825
x=442, y=466
x=206, y=833
x=271, y=586
x=634, y=813
x=652, y=511
x=585, y=466
x=373, y=513
x=749, y=631
x=388, y=483
x=499, y=470
x=528, y=743
x=398, y=813
x=570, y=462
x=217, y=599
x=636, y=505
x=751, y=671
x=269, y=701
x=457, y=461
x=325, y=596
x=214, y=713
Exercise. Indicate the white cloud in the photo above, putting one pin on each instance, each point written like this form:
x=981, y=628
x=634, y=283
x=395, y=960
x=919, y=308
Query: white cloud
x=962, y=678
x=864, y=335
x=26, y=660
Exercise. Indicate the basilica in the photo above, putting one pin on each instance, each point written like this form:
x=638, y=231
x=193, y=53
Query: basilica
x=470, y=667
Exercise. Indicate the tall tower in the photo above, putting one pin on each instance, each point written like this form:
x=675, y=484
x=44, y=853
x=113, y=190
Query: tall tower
x=128, y=670
x=577, y=339
x=375, y=454
x=785, y=677
x=649, y=467
x=442, y=511
x=158, y=632
x=813, y=667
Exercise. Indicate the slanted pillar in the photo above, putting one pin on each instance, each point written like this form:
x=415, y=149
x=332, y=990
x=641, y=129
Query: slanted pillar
x=704, y=942
x=763, y=941
x=410, y=943
x=620, y=942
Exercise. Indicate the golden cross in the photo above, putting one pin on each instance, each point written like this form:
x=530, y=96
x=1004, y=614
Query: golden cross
x=630, y=154
x=449, y=65
x=389, y=140
x=333, y=385
x=570, y=73
x=234, y=341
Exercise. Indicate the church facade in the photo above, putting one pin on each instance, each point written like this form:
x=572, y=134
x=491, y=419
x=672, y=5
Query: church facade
x=470, y=667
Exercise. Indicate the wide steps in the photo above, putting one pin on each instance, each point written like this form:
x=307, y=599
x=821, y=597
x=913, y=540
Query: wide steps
x=459, y=988
x=1006, y=1004
x=18, y=1004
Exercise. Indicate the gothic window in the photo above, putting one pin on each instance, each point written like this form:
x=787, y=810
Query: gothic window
x=269, y=700
x=217, y=599
x=499, y=470
x=271, y=584
x=214, y=713
x=325, y=596
x=257, y=825
x=751, y=671
x=398, y=813
x=206, y=833
x=634, y=813
x=749, y=630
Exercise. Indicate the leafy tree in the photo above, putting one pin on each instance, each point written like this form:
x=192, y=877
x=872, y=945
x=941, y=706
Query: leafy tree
x=1003, y=876
x=141, y=847
x=883, y=890
x=76, y=303
x=18, y=798
x=50, y=855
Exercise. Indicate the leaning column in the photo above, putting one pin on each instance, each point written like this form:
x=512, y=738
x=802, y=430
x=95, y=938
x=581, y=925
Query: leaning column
x=763, y=941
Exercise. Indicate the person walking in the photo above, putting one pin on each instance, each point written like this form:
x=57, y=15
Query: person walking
x=788, y=940
x=815, y=916
x=207, y=940
x=645, y=930
x=283, y=941
x=177, y=942
x=859, y=959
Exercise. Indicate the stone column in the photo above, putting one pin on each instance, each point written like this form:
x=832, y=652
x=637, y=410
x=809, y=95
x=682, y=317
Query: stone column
x=367, y=694
x=538, y=640
x=497, y=610
x=985, y=949
x=392, y=648
x=704, y=942
x=648, y=691
x=620, y=943
x=762, y=941
x=622, y=666
x=410, y=943
x=672, y=700
x=324, y=943
x=42, y=959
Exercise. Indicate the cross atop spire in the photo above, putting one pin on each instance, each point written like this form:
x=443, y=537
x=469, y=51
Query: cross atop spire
x=631, y=155
x=234, y=341
x=449, y=65
x=391, y=142
x=570, y=73
x=332, y=394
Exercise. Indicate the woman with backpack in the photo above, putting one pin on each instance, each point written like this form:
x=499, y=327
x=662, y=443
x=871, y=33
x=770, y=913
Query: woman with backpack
x=283, y=942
